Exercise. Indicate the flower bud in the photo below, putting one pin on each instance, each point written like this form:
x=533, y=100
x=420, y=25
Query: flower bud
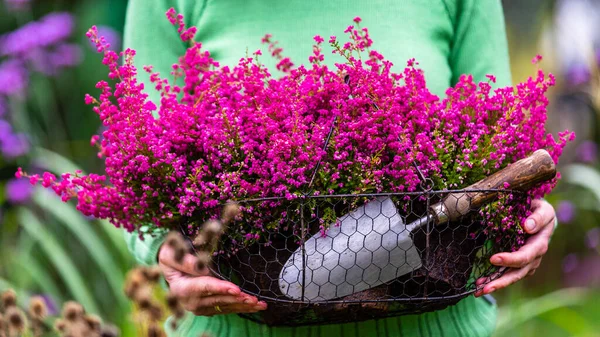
x=37, y=308
x=9, y=299
x=230, y=212
x=16, y=319
x=72, y=311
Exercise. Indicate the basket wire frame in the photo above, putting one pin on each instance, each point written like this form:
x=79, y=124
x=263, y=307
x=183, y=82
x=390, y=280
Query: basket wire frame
x=453, y=256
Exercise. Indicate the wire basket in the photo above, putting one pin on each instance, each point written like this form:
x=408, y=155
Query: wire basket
x=382, y=255
x=342, y=258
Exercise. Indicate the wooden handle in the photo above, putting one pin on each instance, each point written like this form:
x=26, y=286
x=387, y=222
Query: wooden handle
x=521, y=176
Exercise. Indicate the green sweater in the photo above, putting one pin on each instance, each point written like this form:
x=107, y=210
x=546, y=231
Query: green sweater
x=447, y=37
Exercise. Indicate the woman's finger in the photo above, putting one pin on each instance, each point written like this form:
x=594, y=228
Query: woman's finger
x=536, y=246
x=542, y=214
x=203, y=286
x=510, y=277
x=194, y=303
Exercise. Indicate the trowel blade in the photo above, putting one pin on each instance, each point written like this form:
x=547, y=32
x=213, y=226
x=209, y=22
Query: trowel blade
x=370, y=246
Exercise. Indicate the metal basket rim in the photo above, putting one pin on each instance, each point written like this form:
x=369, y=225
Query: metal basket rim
x=380, y=194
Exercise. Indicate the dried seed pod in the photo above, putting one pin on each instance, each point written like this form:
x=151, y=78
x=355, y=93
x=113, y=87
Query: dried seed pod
x=175, y=240
x=9, y=299
x=60, y=325
x=209, y=236
x=154, y=330
x=172, y=302
x=152, y=274
x=37, y=308
x=135, y=280
x=16, y=319
x=230, y=211
x=173, y=324
x=109, y=331
x=180, y=254
x=94, y=322
x=175, y=306
x=80, y=328
x=155, y=312
x=143, y=298
x=203, y=259
x=72, y=311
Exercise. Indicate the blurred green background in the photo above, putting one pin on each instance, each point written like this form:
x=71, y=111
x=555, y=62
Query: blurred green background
x=48, y=248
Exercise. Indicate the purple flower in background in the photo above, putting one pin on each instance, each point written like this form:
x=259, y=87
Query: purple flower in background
x=569, y=263
x=578, y=74
x=50, y=304
x=18, y=191
x=111, y=36
x=3, y=107
x=65, y=55
x=587, y=151
x=13, y=145
x=565, y=212
x=50, y=61
x=592, y=238
x=49, y=30
x=13, y=77
x=5, y=129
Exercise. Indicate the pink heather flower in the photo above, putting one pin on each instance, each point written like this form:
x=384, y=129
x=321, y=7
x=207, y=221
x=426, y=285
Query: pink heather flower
x=231, y=133
x=48, y=179
x=492, y=78
x=19, y=173
x=537, y=59
x=33, y=180
x=357, y=19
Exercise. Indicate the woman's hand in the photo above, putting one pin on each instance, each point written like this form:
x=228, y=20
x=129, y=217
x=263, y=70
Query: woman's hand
x=524, y=262
x=201, y=293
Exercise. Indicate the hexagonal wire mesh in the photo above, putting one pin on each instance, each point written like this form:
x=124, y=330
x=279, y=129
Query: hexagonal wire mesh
x=381, y=255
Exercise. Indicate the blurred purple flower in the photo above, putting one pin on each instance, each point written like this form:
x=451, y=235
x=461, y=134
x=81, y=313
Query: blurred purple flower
x=5, y=129
x=111, y=36
x=565, y=211
x=50, y=62
x=578, y=74
x=49, y=30
x=592, y=238
x=586, y=273
x=2, y=106
x=18, y=191
x=65, y=55
x=13, y=145
x=50, y=304
x=13, y=77
x=587, y=151
x=569, y=263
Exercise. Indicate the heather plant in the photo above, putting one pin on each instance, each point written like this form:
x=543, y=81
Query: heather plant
x=225, y=133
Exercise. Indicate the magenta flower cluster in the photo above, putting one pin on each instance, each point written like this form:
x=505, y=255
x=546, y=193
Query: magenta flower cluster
x=225, y=133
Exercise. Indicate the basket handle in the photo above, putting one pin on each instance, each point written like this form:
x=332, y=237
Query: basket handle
x=520, y=175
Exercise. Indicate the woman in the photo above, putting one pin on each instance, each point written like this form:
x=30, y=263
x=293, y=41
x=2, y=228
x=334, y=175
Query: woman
x=447, y=37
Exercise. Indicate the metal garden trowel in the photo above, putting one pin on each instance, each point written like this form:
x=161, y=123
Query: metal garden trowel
x=372, y=245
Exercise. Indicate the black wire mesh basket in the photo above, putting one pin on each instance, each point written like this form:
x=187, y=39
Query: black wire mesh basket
x=341, y=258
